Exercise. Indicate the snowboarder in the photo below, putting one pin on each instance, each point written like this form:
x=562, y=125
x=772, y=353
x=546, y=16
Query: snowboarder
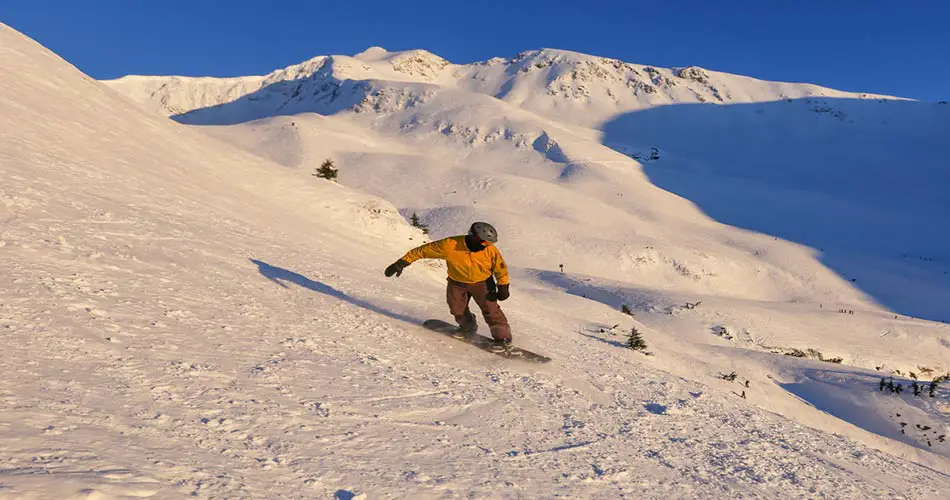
x=474, y=263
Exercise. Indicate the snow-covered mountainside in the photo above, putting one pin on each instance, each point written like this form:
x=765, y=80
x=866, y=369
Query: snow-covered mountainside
x=184, y=314
x=567, y=86
x=857, y=177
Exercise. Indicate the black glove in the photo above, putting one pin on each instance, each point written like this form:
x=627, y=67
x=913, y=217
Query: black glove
x=501, y=293
x=492, y=294
x=396, y=268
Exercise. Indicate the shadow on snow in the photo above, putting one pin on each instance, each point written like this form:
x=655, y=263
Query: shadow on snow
x=862, y=181
x=282, y=277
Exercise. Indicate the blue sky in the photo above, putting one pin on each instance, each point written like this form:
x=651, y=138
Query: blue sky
x=899, y=47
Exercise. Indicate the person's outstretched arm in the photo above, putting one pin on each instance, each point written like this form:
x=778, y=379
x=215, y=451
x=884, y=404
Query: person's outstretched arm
x=433, y=250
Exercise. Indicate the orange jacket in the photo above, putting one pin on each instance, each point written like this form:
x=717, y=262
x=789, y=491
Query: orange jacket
x=465, y=266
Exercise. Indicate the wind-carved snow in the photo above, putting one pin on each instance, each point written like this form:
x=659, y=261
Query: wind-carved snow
x=184, y=317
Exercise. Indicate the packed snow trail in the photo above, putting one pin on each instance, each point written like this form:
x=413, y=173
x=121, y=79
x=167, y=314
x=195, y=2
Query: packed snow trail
x=184, y=319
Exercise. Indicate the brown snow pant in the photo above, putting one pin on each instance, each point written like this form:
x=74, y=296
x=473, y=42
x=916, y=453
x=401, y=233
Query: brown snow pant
x=457, y=294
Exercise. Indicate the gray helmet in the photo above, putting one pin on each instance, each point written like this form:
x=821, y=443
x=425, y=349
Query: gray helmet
x=484, y=231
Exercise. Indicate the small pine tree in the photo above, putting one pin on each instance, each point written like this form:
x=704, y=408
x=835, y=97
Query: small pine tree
x=890, y=385
x=327, y=171
x=626, y=310
x=916, y=388
x=883, y=384
x=416, y=222
x=635, y=340
x=898, y=388
x=932, y=390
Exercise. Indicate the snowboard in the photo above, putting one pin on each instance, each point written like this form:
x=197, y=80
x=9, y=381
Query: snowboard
x=483, y=343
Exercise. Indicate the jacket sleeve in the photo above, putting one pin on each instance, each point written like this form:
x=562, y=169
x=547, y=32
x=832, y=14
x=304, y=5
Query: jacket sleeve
x=500, y=269
x=433, y=250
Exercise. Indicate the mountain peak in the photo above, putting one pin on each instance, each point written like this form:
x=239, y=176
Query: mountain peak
x=417, y=63
x=374, y=53
x=420, y=63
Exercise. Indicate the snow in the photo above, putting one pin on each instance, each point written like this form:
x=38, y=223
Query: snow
x=187, y=311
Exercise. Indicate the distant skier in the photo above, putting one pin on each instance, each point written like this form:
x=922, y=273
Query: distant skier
x=474, y=264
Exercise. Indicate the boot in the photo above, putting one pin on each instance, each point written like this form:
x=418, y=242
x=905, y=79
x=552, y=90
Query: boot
x=501, y=345
x=468, y=325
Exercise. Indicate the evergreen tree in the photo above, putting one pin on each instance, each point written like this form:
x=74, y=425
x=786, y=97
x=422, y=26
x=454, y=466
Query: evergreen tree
x=416, y=222
x=626, y=309
x=327, y=171
x=635, y=340
x=932, y=390
x=883, y=384
x=898, y=388
x=890, y=385
x=916, y=388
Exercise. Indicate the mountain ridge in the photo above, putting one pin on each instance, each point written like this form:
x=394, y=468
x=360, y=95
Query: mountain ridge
x=566, y=75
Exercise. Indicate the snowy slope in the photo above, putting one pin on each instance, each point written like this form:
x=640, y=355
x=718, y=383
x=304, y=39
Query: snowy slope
x=821, y=172
x=857, y=177
x=862, y=181
x=545, y=181
x=184, y=318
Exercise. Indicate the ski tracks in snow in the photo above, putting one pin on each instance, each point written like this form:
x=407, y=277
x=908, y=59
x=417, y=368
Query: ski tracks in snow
x=247, y=388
